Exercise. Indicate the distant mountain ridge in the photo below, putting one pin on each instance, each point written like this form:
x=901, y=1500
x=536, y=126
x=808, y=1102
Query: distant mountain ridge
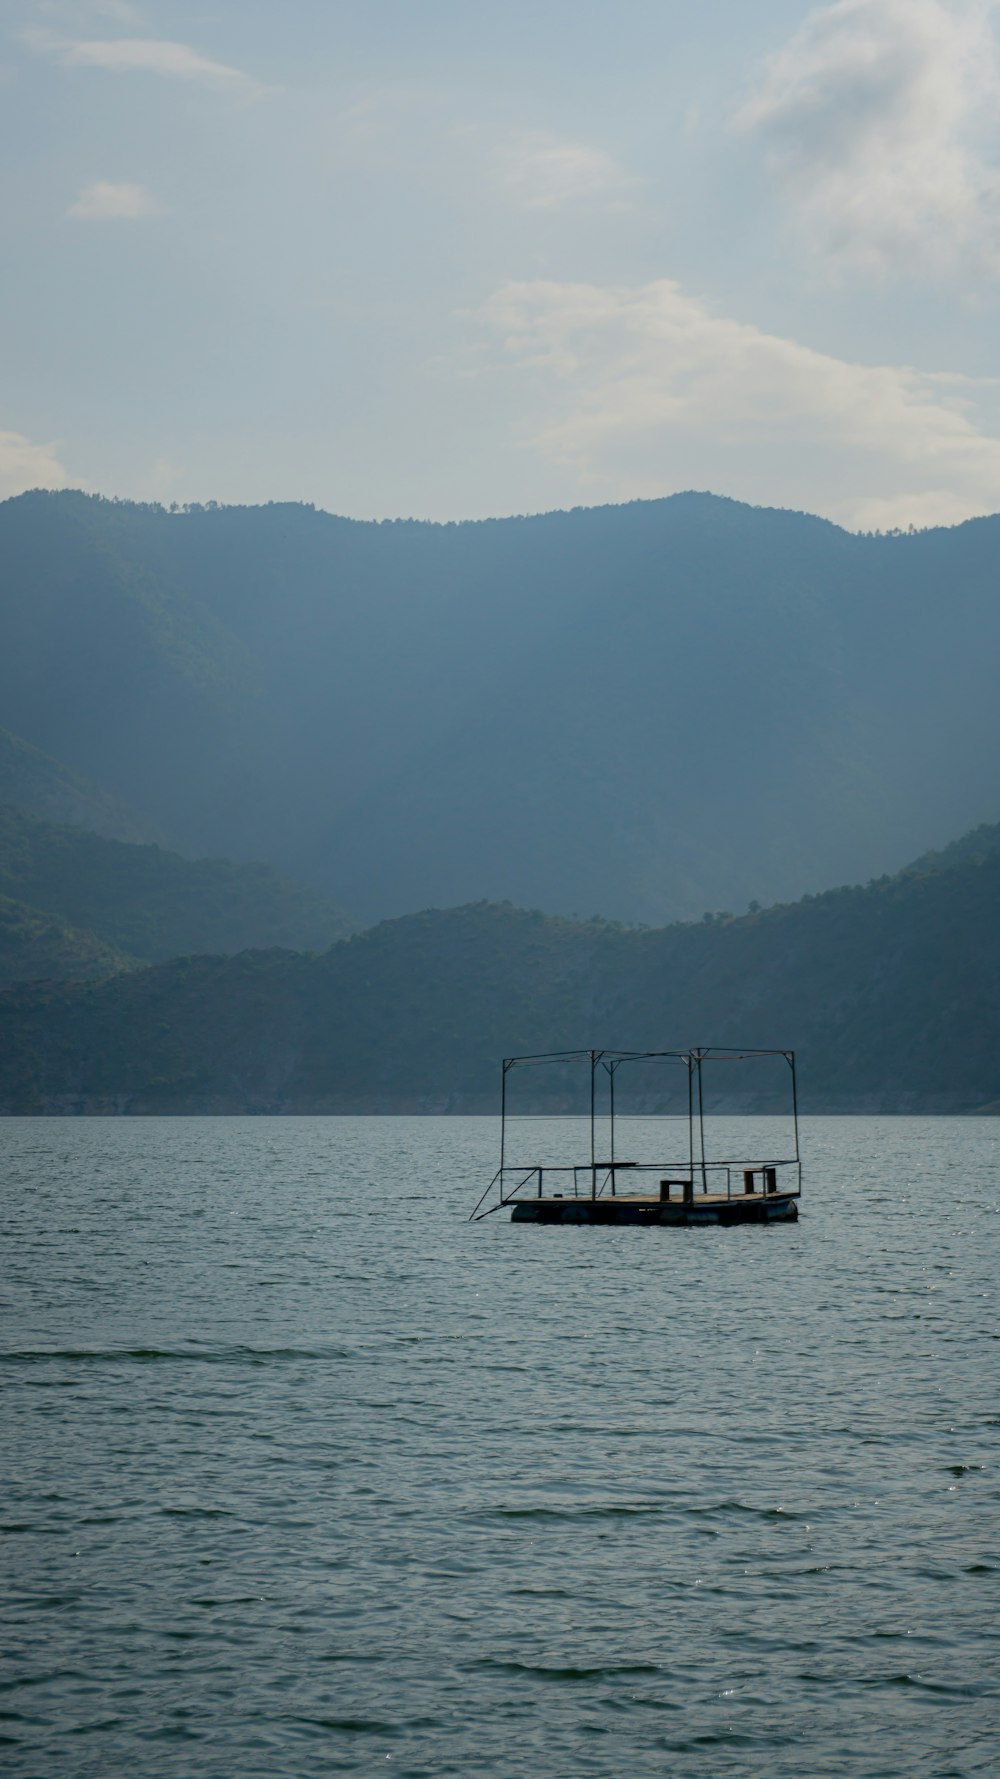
x=35, y=946
x=102, y=904
x=36, y=785
x=646, y=710
x=889, y=993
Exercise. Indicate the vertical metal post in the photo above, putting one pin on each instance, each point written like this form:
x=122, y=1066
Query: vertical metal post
x=503, y=1119
x=593, y=1151
x=611, y=1078
x=701, y=1129
x=795, y=1119
x=689, y=1061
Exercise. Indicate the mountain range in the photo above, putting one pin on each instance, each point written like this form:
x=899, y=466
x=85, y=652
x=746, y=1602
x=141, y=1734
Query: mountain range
x=226, y=726
x=646, y=710
x=890, y=993
x=75, y=904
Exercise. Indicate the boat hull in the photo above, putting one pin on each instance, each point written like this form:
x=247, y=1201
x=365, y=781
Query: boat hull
x=753, y=1208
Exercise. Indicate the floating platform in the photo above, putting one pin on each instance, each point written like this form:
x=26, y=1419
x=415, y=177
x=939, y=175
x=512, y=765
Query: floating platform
x=690, y=1185
x=655, y=1212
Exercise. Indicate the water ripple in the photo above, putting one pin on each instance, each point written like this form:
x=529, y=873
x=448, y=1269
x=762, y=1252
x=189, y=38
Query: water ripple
x=306, y=1475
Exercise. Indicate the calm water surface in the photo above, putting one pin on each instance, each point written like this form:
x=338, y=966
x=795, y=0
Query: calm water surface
x=306, y=1475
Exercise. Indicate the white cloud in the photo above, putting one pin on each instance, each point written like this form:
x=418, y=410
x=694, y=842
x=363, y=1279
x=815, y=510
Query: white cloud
x=139, y=55
x=879, y=115
x=933, y=506
x=656, y=392
x=24, y=465
x=542, y=172
x=110, y=201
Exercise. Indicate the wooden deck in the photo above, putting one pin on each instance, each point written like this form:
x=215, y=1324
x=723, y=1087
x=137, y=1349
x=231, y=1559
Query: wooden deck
x=711, y=1207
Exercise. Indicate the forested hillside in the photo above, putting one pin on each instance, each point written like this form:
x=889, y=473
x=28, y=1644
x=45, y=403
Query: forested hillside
x=144, y=902
x=36, y=785
x=890, y=994
x=35, y=946
x=643, y=710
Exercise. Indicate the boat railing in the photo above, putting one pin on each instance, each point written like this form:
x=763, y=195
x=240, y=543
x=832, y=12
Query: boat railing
x=592, y=1180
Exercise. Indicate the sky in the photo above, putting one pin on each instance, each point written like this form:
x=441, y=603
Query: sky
x=448, y=259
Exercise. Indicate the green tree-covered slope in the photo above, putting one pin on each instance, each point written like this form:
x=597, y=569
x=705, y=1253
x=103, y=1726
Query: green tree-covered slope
x=151, y=904
x=37, y=785
x=646, y=710
x=35, y=946
x=890, y=994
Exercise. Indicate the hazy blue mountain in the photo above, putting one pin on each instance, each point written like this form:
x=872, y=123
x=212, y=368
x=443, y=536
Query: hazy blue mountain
x=37, y=785
x=890, y=994
x=645, y=710
x=150, y=904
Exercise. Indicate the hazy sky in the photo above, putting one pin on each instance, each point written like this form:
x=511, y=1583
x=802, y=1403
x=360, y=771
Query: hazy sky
x=452, y=258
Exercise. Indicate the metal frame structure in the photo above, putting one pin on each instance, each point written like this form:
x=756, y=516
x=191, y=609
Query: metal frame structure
x=601, y=1176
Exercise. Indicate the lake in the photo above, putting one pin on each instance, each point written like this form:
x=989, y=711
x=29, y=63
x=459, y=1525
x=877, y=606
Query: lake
x=306, y=1474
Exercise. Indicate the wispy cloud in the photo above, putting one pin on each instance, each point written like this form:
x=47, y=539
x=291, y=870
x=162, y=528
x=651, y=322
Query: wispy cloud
x=24, y=465
x=381, y=112
x=649, y=385
x=879, y=116
x=540, y=171
x=112, y=201
x=140, y=55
